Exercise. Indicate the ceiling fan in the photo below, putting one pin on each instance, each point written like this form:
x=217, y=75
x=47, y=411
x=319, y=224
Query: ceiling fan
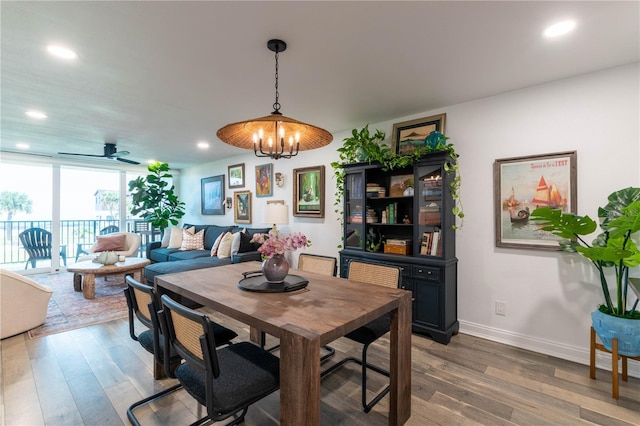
x=110, y=151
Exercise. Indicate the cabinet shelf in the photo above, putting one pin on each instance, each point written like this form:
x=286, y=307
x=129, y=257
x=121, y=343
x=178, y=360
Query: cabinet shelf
x=390, y=198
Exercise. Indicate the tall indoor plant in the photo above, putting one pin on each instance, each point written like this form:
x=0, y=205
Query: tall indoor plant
x=615, y=248
x=153, y=197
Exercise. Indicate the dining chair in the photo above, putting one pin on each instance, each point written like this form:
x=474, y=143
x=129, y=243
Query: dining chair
x=225, y=380
x=325, y=265
x=38, y=244
x=387, y=276
x=144, y=304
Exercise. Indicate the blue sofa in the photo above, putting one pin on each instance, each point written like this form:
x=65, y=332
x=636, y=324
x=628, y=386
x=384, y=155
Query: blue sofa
x=169, y=260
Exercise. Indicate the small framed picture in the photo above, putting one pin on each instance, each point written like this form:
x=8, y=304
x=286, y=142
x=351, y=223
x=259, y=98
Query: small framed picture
x=409, y=135
x=399, y=184
x=212, y=195
x=521, y=185
x=308, y=192
x=242, y=207
x=236, y=176
x=264, y=180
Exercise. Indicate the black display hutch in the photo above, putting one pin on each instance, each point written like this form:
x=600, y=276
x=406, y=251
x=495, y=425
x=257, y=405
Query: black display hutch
x=419, y=227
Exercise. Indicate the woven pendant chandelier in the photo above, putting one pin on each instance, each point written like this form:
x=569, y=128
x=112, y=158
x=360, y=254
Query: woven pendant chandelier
x=275, y=135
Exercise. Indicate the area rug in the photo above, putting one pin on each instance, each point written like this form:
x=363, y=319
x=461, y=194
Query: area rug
x=69, y=309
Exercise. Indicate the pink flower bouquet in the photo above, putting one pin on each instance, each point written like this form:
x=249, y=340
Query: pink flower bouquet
x=272, y=244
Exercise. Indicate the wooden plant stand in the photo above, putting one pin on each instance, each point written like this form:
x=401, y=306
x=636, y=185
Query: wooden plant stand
x=614, y=362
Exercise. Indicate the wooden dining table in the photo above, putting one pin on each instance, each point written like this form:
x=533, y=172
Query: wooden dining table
x=305, y=320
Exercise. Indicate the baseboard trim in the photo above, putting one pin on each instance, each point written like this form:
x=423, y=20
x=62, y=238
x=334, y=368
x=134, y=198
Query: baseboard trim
x=547, y=347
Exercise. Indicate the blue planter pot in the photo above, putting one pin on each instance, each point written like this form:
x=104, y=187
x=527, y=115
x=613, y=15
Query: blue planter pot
x=627, y=331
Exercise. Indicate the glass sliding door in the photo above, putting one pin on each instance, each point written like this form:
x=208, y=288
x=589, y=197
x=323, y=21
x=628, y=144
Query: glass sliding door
x=89, y=206
x=26, y=205
x=71, y=202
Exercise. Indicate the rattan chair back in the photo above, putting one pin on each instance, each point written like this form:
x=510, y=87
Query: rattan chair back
x=187, y=334
x=318, y=264
x=191, y=334
x=384, y=275
x=141, y=300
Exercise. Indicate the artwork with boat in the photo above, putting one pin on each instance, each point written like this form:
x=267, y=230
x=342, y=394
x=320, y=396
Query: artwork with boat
x=524, y=184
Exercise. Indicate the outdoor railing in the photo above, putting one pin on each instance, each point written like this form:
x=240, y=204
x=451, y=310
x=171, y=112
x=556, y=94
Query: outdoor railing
x=77, y=235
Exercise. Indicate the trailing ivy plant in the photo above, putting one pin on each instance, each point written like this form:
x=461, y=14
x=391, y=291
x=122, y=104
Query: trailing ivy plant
x=362, y=146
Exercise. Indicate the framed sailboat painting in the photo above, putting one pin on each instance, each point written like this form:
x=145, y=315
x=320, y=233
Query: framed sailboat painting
x=523, y=184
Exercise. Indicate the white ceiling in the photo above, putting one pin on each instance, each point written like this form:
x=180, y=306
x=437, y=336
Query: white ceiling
x=156, y=77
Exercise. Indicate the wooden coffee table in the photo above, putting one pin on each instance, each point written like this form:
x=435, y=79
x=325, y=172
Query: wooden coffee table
x=85, y=273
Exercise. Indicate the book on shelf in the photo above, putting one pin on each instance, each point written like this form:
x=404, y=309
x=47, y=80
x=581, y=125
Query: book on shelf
x=374, y=190
x=399, y=241
x=431, y=244
x=435, y=243
x=424, y=245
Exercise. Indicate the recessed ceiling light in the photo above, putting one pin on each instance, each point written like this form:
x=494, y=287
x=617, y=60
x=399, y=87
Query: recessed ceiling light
x=22, y=145
x=61, y=51
x=559, y=28
x=151, y=161
x=36, y=114
x=203, y=144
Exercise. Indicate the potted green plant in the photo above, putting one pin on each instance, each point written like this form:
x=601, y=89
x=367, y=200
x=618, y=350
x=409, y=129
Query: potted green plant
x=363, y=145
x=615, y=248
x=154, y=198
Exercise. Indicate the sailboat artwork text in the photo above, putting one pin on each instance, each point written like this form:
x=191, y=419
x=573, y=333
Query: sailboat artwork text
x=523, y=184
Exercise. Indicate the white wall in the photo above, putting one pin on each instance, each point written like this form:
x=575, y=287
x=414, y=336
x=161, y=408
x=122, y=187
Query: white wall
x=548, y=300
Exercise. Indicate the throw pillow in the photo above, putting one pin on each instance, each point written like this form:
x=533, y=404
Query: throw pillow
x=166, y=238
x=216, y=244
x=245, y=243
x=235, y=244
x=191, y=241
x=224, y=249
x=175, y=241
x=110, y=243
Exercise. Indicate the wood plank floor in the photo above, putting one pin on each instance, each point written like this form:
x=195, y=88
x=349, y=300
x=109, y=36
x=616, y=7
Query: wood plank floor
x=91, y=375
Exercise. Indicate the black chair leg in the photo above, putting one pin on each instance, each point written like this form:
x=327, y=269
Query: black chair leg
x=368, y=406
x=132, y=418
x=331, y=352
x=362, y=362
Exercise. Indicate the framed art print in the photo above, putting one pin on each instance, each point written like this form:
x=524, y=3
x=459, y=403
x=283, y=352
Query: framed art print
x=242, y=210
x=264, y=180
x=236, y=176
x=523, y=184
x=409, y=135
x=212, y=195
x=308, y=192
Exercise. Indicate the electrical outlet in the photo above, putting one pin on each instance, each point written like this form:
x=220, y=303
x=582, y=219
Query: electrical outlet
x=501, y=308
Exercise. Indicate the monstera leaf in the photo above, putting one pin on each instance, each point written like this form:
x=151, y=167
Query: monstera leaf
x=564, y=225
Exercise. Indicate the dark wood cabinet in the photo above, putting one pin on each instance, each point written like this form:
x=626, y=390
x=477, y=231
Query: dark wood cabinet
x=403, y=217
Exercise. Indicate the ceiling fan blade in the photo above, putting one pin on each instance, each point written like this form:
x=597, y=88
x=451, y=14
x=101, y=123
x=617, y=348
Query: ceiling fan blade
x=82, y=155
x=124, y=160
x=118, y=154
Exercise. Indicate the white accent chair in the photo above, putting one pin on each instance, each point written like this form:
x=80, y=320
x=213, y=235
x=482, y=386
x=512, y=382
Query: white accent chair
x=132, y=244
x=23, y=303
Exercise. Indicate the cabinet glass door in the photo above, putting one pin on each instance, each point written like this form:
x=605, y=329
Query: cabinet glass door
x=429, y=200
x=354, y=218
